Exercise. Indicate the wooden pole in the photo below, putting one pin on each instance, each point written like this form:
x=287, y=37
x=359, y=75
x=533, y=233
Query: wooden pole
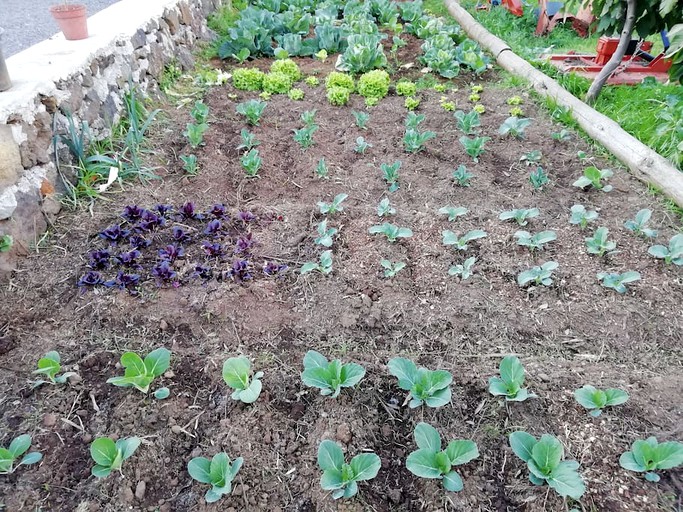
x=647, y=164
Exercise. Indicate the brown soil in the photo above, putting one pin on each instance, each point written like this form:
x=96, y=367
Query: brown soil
x=572, y=333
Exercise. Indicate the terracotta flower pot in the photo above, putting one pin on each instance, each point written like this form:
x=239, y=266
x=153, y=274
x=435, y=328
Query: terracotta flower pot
x=5, y=82
x=72, y=20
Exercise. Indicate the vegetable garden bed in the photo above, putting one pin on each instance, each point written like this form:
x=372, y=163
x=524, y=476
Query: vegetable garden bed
x=568, y=334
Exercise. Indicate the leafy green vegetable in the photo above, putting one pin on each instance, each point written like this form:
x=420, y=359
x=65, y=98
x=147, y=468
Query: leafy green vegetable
x=464, y=270
x=462, y=176
x=251, y=163
x=304, y=136
x=195, y=133
x=647, y=456
x=391, y=268
x=390, y=174
x=338, y=96
x=321, y=169
x=6, y=243
x=474, y=146
x=109, y=455
x=49, y=365
x=520, y=215
x=140, y=373
x=595, y=400
x=453, y=212
x=593, y=177
x=510, y=382
x=362, y=119
x=252, y=110
x=672, y=254
x=391, y=231
x=296, y=94
x=247, y=79
x=333, y=207
x=308, y=117
x=337, y=79
x=374, y=84
x=538, y=178
x=598, y=243
x=450, y=238
x=639, y=223
x=236, y=374
x=536, y=241
x=384, y=208
x=429, y=461
x=219, y=472
x=413, y=120
x=414, y=140
x=287, y=67
x=406, y=88
x=329, y=376
x=617, y=281
x=532, y=157
x=325, y=234
x=467, y=122
x=362, y=145
x=277, y=83
x=200, y=112
x=190, y=164
x=363, y=53
x=249, y=141
x=17, y=448
x=514, y=126
x=544, y=460
x=324, y=267
x=538, y=275
x=431, y=387
x=581, y=217
x=343, y=478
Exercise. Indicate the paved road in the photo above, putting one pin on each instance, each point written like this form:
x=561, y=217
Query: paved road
x=27, y=22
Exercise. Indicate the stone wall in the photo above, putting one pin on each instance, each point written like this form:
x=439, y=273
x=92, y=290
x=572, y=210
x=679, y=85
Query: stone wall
x=131, y=40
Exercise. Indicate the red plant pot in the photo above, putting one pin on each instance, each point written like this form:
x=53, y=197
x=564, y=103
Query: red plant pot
x=72, y=20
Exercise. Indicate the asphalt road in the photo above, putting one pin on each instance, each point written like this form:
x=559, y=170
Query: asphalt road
x=27, y=22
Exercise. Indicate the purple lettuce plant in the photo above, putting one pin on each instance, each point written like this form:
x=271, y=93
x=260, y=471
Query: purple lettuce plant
x=99, y=259
x=180, y=235
x=129, y=259
x=114, y=234
x=244, y=244
x=246, y=217
x=132, y=213
x=164, y=209
x=187, y=211
x=172, y=252
x=213, y=250
x=163, y=272
x=240, y=270
x=138, y=242
x=218, y=211
x=203, y=272
x=90, y=278
x=150, y=221
x=213, y=228
x=125, y=281
x=270, y=268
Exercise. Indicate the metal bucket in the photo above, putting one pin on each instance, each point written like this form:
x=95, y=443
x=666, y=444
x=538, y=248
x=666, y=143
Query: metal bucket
x=5, y=82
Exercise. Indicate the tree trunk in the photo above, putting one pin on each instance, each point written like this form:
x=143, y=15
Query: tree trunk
x=614, y=62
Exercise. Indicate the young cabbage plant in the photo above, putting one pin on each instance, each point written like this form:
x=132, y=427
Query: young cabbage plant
x=325, y=234
x=536, y=241
x=538, y=178
x=638, y=225
x=190, y=165
x=510, y=382
x=462, y=176
x=595, y=400
x=390, y=174
x=461, y=244
x=321, y=170
x=429, y=461
x=413, y=120
x=200, y=112
x=324, y=266
x=538, y=275
x=532, y=157
x=195, y=133
x=343, y=478
x=544, y=460
x=362, y=119
x=219, y=472
x=237, y=375
x=361, y=145
x=333, y=207
x=647, y=456
x=391, y=231
x=109, y=455
x=467, y=122
x=672, y=254
x=17, y=448
x=252, y=110
x=431, y=387
x=617, y=281
x=251, y=163
x=308, y=117
x=329, y=376
x=474, y=146
x=391, y=268
x=49, y=366
x=598, y=243
x=414, y=140
x=593, y=178
x=453, y=212
x=140, y=373
x=520, y=215
x=464, y=270
x=249, y=141
x=581, y=217
x=384, y=208
x=304, y=136
x=514, y=126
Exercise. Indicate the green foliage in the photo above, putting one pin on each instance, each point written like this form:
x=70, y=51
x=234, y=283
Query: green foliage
x=109, y=455
x=337, y=79
x=462, y=176
x=329, y=376
x=277, y=82
x=374, y=84
x=325, y=234
x=391, y=231
x=448, y=106
x=362, y=145
x=333, y=207
x=308, y=117
x=520, y=215
x=406, y=88
x=593, y=178
x=249, y=141
x=195, y=133
x=140, y=373
x=467, y=122
x=431, y=387
x=461, y=244
x=536, y=241
x=411, y=102
x=581, y=217
x=338, y=96
x=361, y=119
x=538, y=275
x=463, y=270
x=304, y=136
x=17, y=448
x=514, y=126
x=429, y=461
x=647, y=456
x=414, y=140
x=538, y=178
x=324, y=266
x=287, y=67
x=343, y=478
x=453, y=212
x=251, y=163
x=561, y=136
x=474, y=147
x=595, y=400
x=200, y=112
x=252, y=110
x=638, y=225
x=510, y=382
x=598, y=243
x=49, y=366
x=312, y=81
x=190, y=164
x=321, y=170
x=618, y=281
x=544, y=460
x=384, y=208
x=363, y=53
x=237, y=375
x=6, y=243
x=413, y=120
x=390, y=174
x=295, y=94
x=247, y=79
x=391, y=268
x=671, y=254
x=219, y=472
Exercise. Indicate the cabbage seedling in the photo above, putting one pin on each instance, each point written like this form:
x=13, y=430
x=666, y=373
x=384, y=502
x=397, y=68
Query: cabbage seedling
x=190, y=164
x=200, y=112
x=672, y=254
x=195, y=133
x=17, y=448
x=109, y=455
x=461, y=244
x=598, y=243
x=647, y=456
x=236, y=373
x=538, y=178
x=639, y=223
x=329, y=376
x=429, y=461
x=618, y=281
x=390, y=174
x=520, y=215
x=219, y=472
x=431, y=387
x=467, y=122
x=453, y=212
x=581, y=217
x=6, y=243
x=561, y=136
x=514, y=126
x=391, y=268
x=593, y=177
x=324, y=267
x=413, y=120
x=333, y=207
x=532, y=157
x=391, y=231
x=510, y=382
x=362, y=145
x=249, y=141
x=414, y=141
x=464, y=270
x=544, y=460
x=343, y=478
x=474, y=146
x=362, y=119
x=304, y=136
x=140, y=373
x=384, y=208
x=321, y=169
x=534, y=242
x=595, y=400
x=251, y=163
x=325, y=234
x=462, y=177
x=308, y=117
x=252, y=110
x=49, y=365
x=538, y=275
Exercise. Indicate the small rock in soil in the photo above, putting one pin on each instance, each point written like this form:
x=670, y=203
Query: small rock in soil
x=126, y=494
x=86, y=438
x=240, y=489
x=543, y=377
x=140, y=490
x=344, y=433
x=49, y=420
x=163, y=325
x=196, y=452
x=74, y=379
x=176, y=429
x=292, y=447
x=394, y=495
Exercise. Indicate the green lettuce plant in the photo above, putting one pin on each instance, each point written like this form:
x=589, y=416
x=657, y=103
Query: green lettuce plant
x=338, y=96
x=461, y=176
x=17, y=448
x=237, y=375
x=247, y=79
x=671, y=254
x=109, y=455
x=406, y=88
x=536, y=241
x=252, y=110
x=325, y=234
x=638, y=225
x=453, y=212
x=329, y=376
x=277, y=83
x=287, y=67
x=599, y=244
x=49, y=366
x=324, y=266
x=384, y=208
x=337, y=79
x=520, y=215
x=510, y=382
x=391, y=268
x=343, y=478
x=538, y=275
x=581, y=217
x=649, y=455
x=595, y=400
x=593, y=178
x=140, y=373
x=374, y=84
x=463, y=270
x=333, y=207
x=617, y=281
x=219, y=472
x=391, y=231
x=429, y=387
x=461, y=244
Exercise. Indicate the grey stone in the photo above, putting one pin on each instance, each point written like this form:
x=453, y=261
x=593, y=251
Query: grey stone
x=171, y=19
x=10, y=157
x=185, y=58
x=139, y=39
x=8, y=203
x=87, y=78
x=185, y=13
